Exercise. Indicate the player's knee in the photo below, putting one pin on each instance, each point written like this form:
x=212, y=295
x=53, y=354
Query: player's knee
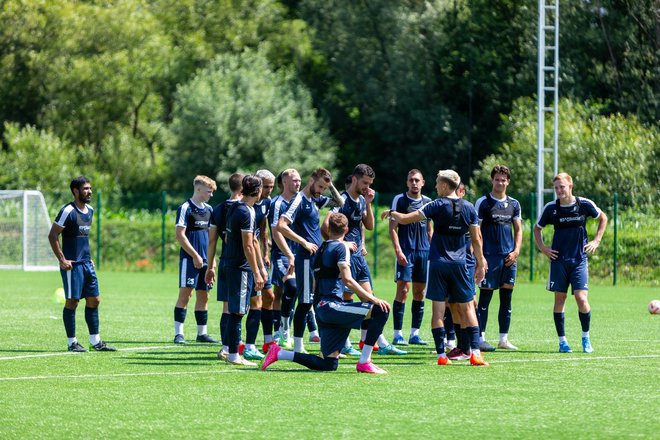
x=331, y=364
x=92, y=302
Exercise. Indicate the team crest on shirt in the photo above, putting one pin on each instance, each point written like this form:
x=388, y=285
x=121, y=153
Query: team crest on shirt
x=263, y=209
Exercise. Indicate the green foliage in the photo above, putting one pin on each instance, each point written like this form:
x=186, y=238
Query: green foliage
x=239, y=114
x=603, y=154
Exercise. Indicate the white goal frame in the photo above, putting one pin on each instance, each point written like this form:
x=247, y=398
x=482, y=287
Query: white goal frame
x=27, y=264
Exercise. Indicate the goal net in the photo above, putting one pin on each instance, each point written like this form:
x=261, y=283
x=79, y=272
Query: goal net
x=24, y=226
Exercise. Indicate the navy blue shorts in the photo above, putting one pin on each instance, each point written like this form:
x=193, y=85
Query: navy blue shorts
x=498, y=274
x=449, y=282
x=191, y=277
x=336, y=318
x=221, y=283
x=278, y=268
x=240, y=285
x=304, y=280
x=415, y=270
x=80, y=281
x=563, y=273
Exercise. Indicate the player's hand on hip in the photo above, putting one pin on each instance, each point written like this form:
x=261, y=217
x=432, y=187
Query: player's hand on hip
x=310, y=247
x=591, y=247
x=550, y=253
x=66, y=265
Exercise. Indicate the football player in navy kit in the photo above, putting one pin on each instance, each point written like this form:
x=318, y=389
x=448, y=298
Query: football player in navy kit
x=568, y=253
x=501, y=229
x=192, y=225
x=74, y=222
x=411, y=248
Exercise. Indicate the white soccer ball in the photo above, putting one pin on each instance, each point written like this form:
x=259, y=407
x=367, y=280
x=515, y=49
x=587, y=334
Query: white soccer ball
x=654, y=307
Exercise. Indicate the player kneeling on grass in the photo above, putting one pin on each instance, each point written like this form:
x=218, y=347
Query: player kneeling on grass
x=336, y=318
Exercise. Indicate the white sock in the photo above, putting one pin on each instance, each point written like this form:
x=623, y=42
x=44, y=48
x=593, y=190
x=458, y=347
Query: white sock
x=298, y=344
x=504, y=337
x=366, y=353
x=585, y=334
x=178, y=328
x=476, y=352
x=451, y=342
x=268, y=338
x=562, y=338
x=314, y=333
x=225, y=348
x=348, y=344
x=398, y=333
x=72, y=340
x=233, y=357
x=442, y=355
x=382, y=342
x=201, y=330
x=250, y=347
x=94, y=339
x=363, y=334
x=285, y=355
x=414, y=332
x=284, y=325
x=482, y=337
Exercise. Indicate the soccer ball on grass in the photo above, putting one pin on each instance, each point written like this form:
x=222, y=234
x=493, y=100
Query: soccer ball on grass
x=654, y=307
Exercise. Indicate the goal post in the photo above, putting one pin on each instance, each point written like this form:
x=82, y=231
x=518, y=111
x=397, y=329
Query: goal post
x=24, y=227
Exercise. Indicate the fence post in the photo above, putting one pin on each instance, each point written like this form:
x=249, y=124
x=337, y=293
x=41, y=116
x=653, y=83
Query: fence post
x=98, y=230
x=616, y=243
x=163, y=208
x=531, y=236
x=375, y=209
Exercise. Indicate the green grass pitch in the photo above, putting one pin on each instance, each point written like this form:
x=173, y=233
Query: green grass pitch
x=153, y=389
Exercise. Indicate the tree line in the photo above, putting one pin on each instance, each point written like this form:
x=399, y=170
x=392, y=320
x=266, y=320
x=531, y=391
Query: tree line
x=143, y=94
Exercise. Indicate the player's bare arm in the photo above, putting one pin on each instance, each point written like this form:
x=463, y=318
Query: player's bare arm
x=510, y=259
x=546, y=250
x=252, y=256
x=591, y=247
x=209, y=276
x=477, y=248
x=54, y=240
x=198, y=262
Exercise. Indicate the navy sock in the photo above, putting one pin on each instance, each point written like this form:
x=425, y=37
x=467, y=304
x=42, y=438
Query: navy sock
x=439, y=339
x=484, y=301
x=179, y=314
x=417, y=311
x=398, y=311
x=311, y=321
x=365, y=324
x=234, y=332
x=69, y=318
x=504, y=316
x=201, y=316
x=299, y=318
x=462, y=339
x=267, y=321
x=277, y=316
x=449, y=324
x=288, y=296
x=559, y=323
x=314, y=362
x=585, y=320
x=473, y=337
x=376, y=325
x=224, y=320
x=92, y=320
x=252, y=326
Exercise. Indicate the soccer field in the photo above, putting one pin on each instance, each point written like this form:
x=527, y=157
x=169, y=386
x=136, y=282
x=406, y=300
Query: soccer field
x=154, y=389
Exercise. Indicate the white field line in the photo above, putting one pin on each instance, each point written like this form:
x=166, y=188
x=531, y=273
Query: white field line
x=68, y=353
x=346, y=366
